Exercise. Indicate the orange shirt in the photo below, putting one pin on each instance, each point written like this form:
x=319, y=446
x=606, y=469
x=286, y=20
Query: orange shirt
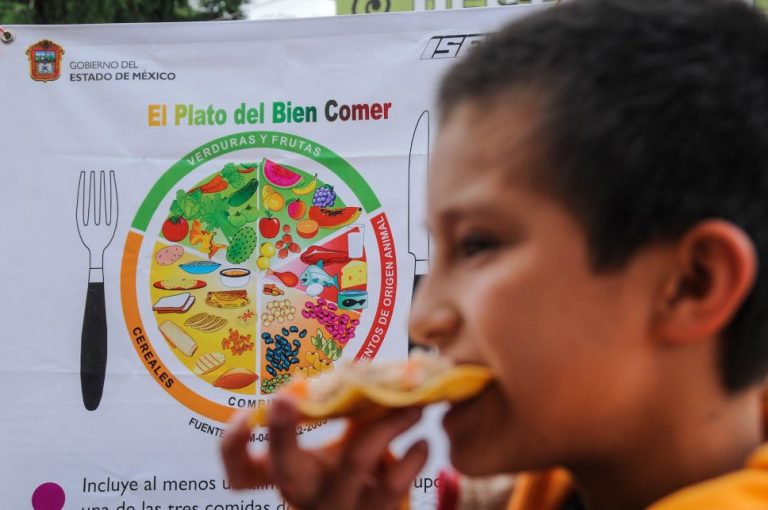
x=746, y=489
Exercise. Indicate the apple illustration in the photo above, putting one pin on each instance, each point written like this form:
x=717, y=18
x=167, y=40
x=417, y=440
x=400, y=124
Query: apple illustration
x=269, y=226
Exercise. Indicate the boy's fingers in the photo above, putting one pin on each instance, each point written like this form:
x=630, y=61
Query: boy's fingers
x=401, y=473
x=364, y=452
x=377, y=435
x=241, y=468
x=292, y=467
x=397, y=476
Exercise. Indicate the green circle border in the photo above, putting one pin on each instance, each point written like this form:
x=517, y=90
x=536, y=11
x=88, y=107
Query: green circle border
x=253, y=140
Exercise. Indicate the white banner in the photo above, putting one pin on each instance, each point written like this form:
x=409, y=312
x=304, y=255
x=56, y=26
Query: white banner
x=193, y=214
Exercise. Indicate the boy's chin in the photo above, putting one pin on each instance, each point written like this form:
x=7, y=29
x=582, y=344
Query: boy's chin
x=472, y=457
x=469, y=466
x=472, y=464
x=479, y=462
x=479, y=455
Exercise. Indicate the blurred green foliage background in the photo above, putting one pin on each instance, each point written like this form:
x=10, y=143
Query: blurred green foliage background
x=116, y=11
x=134, y=11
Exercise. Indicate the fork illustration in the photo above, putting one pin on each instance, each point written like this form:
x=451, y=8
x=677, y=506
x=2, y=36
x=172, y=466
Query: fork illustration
x=96, y=217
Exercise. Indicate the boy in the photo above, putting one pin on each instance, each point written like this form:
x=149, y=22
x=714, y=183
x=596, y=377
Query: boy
x=599, y=202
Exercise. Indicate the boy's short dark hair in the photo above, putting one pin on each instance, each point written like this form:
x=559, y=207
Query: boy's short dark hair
x=654, y=116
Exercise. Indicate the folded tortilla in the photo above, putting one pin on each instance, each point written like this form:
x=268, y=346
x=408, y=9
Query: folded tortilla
x=361, y=389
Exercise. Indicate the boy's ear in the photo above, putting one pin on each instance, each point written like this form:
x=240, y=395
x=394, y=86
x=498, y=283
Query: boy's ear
x=714, y=268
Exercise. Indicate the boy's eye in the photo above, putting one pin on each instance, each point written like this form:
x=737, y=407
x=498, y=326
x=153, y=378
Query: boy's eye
x=475, y=244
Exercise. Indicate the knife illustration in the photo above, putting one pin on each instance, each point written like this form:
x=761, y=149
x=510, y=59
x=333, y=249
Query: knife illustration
x=418, y=168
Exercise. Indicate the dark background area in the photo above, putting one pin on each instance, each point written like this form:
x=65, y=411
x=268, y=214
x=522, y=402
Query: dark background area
x=116, y=11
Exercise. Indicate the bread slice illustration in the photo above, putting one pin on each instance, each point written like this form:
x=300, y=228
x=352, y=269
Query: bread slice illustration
x=360, y=389
x=206, y=322
x=178, y=303
x=178, y=338
x=209, y=362
x=196, y=319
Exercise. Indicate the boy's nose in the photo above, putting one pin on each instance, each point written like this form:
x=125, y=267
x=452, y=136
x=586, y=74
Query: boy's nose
x=434, y=319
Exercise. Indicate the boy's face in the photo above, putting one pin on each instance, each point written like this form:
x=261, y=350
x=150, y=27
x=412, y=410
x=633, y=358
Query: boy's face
x=510, y=287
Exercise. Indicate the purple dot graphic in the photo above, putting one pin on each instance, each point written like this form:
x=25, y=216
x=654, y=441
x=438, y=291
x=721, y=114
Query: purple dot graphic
x=48, y=496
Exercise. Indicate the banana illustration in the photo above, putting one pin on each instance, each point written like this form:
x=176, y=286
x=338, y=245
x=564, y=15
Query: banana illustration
x=307, y=188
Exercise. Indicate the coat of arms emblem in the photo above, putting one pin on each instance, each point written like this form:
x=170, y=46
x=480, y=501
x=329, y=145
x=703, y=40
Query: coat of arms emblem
x=45, y=60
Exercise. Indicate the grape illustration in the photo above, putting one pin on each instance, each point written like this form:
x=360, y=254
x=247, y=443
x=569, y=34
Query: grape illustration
x=324, y=196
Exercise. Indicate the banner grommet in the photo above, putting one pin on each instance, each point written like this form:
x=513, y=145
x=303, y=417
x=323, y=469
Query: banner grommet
x=6, y=36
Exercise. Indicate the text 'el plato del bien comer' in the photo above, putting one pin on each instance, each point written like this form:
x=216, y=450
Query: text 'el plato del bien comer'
x=277, y=112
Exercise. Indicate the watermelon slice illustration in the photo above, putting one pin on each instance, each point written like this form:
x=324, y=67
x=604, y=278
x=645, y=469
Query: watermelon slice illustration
x=279, y=176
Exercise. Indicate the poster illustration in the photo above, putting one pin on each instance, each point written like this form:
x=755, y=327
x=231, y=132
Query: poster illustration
x=257, y=271
x=191, y=219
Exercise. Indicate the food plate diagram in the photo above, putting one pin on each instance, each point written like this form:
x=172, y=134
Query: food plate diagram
x=256, y=258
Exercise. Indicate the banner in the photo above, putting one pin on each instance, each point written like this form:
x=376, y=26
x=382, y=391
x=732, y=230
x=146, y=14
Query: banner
x=373, y=6
x=194, y=214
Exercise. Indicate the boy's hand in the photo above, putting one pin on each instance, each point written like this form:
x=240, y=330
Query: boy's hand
x=356, y=472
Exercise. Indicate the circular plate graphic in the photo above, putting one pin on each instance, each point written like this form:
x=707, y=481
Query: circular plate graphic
x=255, y=258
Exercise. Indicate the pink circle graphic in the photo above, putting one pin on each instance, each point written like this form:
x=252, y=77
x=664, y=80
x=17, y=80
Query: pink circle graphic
x=48, y=496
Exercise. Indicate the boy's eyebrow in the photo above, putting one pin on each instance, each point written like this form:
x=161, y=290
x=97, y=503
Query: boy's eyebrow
x=455, y=212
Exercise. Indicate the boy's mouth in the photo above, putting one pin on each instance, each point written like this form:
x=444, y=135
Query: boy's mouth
x=464, y=413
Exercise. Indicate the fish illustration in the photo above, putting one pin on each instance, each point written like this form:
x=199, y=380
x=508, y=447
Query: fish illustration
x=316, y=274
x=353, y=299
x=347, y=303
